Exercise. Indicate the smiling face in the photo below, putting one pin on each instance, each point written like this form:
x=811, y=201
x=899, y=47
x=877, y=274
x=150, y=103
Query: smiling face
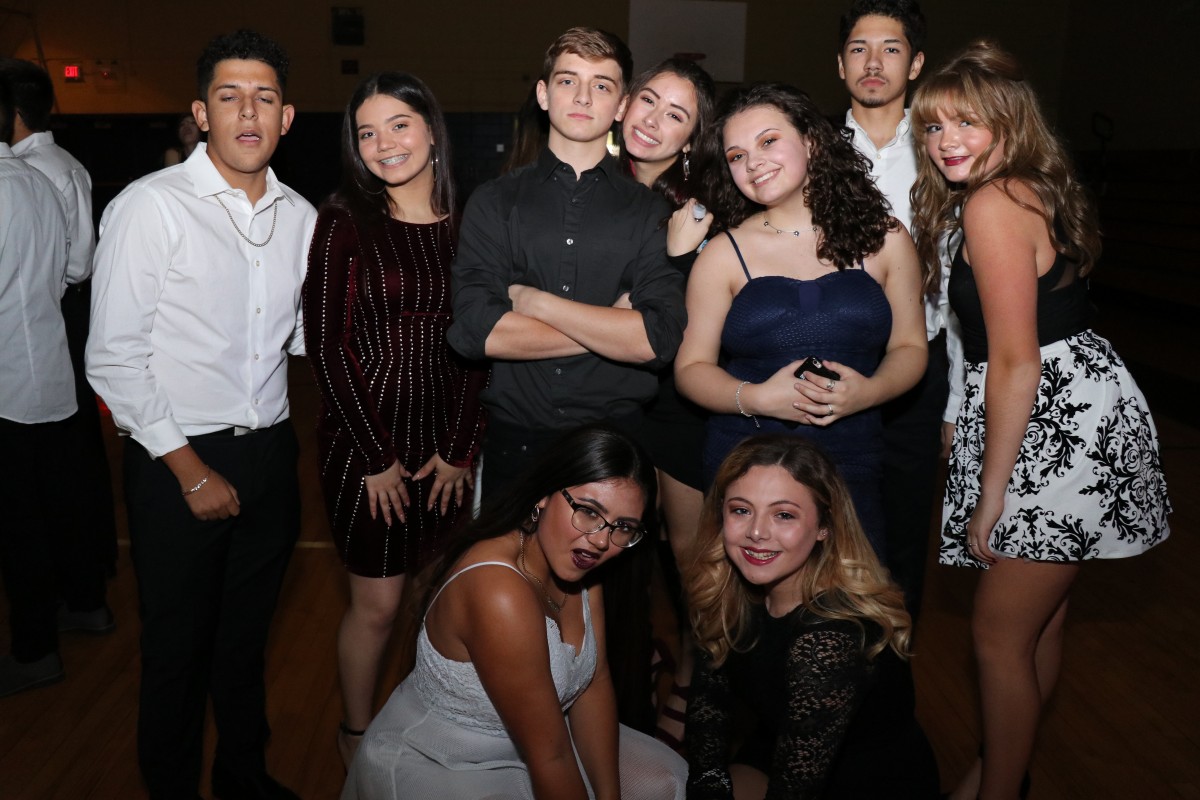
x=572, y=554
x=660, y=119
x=767, y=157
x=877, y=62
x=244, y=116
x=394, y=141
x=770, y=525
x=956, y=143
x=582, y=98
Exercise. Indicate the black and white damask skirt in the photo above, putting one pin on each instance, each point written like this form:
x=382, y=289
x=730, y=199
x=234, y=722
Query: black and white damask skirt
x=1088, y=482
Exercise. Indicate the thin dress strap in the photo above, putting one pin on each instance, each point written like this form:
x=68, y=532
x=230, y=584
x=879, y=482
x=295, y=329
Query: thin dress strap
x=468, y=569
x=738, y=250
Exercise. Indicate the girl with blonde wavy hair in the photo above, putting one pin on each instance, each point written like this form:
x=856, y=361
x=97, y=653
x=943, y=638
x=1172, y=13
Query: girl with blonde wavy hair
x=797, y=620
x=1055, y=458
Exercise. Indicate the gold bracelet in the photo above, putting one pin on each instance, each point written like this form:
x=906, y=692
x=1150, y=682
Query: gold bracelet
x=199, y=485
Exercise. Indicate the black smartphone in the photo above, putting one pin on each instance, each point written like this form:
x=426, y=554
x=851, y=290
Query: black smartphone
x=813, y=364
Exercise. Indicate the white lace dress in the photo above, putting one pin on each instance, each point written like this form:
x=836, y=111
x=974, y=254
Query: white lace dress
x=439, y=735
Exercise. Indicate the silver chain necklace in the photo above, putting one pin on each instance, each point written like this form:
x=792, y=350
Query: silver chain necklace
x=767, y=224
x=557, y=607
x=247, y=239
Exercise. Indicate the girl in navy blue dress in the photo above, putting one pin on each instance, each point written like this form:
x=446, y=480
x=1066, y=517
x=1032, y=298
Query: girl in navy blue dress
x=810, y=263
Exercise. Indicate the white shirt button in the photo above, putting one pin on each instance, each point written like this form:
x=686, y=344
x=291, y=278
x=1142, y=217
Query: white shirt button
x=570, y=241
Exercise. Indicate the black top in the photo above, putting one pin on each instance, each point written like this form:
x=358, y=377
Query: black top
x=828, y=722
x=589, y=240
x=1063, y=308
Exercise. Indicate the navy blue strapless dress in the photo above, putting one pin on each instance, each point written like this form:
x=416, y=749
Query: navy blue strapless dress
x=843, y=316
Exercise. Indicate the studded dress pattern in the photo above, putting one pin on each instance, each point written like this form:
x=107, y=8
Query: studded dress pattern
x=376, y=310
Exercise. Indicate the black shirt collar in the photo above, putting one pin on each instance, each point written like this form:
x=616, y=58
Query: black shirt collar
x=548, y=163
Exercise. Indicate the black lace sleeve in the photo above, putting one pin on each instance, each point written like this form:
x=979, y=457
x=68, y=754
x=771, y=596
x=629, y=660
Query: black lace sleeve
x=707, y=733
x=827, y=677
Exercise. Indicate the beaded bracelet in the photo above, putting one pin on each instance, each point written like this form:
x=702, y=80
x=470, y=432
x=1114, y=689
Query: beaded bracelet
x=199, y=485
x=737, y=401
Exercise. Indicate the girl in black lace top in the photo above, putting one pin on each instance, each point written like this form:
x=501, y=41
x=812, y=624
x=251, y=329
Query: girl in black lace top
x=799, y=625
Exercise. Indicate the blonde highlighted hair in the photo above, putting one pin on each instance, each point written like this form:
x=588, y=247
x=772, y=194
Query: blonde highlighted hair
x=985, y=85
x=842, y=579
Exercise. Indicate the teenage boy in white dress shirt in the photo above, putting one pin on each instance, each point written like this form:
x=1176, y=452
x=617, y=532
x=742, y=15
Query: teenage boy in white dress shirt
x=195, y=309
x=37, y=397
x=880, y=54
x=89, y=540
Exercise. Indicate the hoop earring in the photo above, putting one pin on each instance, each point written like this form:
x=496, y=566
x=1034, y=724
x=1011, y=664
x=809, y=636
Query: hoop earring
x=687, y=167
x=536, y=514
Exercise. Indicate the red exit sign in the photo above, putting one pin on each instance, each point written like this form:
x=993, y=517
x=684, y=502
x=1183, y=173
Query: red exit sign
x=72, y=73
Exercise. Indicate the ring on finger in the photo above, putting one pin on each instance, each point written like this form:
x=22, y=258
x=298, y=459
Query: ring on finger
x=829, y=413
x=829, y=385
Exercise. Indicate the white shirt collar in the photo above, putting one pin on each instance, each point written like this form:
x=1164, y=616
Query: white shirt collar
x=207, y=181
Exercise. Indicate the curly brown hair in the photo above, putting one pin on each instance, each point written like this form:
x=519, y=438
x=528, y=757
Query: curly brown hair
x=853, y=215
x=986, y=85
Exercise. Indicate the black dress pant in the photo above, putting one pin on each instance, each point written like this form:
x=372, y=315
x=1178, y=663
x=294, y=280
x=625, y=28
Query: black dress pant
x=912, y=425
x=207, y=592
x=37, y=496
x=85, y=566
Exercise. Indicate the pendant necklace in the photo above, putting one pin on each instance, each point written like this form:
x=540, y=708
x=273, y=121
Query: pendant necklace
x=767, y=224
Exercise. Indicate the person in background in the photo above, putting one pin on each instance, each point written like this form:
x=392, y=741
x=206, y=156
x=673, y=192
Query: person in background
x=880, y=54
x=195, y=310
x=799, y=624
x=400, y=419
x=188, y=133
x=91, y=531
x=669, y=105
x=37, y=397
x=1055, y=458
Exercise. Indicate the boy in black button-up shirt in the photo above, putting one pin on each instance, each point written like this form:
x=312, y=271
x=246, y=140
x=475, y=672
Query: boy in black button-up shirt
x=561, y=275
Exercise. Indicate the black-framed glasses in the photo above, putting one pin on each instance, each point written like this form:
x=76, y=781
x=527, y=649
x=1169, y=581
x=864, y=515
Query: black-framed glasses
x=588, y=520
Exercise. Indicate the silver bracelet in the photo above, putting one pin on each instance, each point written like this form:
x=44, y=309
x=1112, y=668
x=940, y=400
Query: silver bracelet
x=199, y=485
x=737, y=401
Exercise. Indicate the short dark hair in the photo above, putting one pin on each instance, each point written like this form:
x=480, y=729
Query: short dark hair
x=592, y=44
x=6, y=114
x=906, y=12
x=362, y=192
x=242, y=44
x=30, y=90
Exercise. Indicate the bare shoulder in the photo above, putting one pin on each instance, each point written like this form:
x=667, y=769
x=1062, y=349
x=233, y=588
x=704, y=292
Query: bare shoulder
x=1010, y=202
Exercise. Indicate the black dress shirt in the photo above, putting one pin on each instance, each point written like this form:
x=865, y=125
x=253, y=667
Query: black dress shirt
x=588, y=240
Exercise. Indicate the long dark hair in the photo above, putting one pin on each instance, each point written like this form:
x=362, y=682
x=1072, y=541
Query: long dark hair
x=852, y=214
x=588, y=454
x=361, y=192
x=674, y=184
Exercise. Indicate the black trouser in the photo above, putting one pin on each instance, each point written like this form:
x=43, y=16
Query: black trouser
x=97, y=550
x=36, y=493
x=207, y=592
x=912, y=425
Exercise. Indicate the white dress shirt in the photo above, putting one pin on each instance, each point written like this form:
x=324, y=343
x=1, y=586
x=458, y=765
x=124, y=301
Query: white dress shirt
x=36, y=380
x=191, y=324
x=894, y=170
x=39, y=151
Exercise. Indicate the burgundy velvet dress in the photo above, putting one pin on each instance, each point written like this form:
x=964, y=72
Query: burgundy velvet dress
x=376, y=310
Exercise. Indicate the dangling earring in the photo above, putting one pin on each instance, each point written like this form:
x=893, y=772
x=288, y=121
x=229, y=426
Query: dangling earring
x=687, y=167
x=536, y=514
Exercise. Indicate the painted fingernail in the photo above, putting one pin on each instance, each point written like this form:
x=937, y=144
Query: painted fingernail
x=698, y=211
